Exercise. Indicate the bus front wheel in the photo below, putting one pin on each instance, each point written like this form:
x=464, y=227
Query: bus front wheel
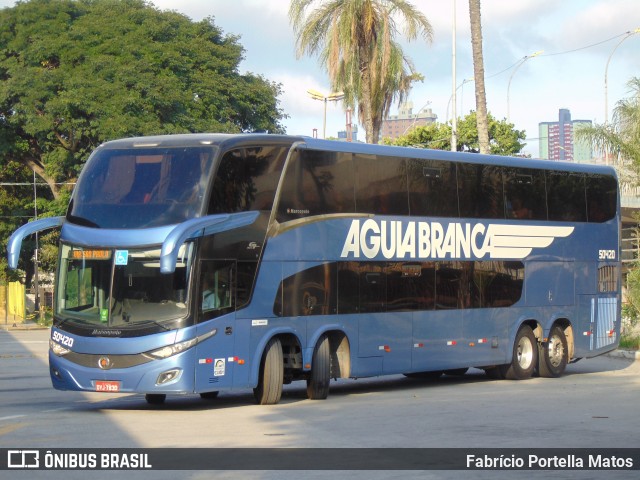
x=320, y=375
x=525, y=355
x=553, y=354
x=271, y=376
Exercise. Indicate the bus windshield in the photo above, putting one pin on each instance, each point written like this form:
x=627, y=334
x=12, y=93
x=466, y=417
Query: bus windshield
x=142, y=187
x=120, y=288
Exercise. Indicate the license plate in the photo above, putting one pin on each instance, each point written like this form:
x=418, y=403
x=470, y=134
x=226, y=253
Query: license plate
x=107, y=386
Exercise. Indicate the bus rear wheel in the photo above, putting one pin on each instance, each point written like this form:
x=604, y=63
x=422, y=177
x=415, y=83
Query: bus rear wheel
x=553, y=354
x=320, y=375
x=525, y=355
x=271, y=376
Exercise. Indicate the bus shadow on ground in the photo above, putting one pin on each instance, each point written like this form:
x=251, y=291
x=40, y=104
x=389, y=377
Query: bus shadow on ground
x=296, y=392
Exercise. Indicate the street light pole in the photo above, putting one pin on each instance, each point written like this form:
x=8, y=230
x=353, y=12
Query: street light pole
x=522, y=61
x=36, y=284
x=332, y=97
x=466, y=80
x=454, y=121
x=606, y=70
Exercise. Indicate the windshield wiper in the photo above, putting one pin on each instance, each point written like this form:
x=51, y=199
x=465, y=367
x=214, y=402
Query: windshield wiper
x=82, y=221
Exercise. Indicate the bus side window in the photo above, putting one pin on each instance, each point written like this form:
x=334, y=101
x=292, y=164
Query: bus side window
x=602, y=197
x=525, y=194
x=216, y=295
x=381, y=185
x=480, y=191
x=432, y=188
x=317, y=183
x=567, y=196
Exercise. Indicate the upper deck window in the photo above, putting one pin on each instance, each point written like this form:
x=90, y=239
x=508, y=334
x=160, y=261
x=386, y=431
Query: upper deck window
x=141, y=188
x=247, y=179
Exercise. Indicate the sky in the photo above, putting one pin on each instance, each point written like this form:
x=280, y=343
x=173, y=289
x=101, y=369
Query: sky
x=576, y=38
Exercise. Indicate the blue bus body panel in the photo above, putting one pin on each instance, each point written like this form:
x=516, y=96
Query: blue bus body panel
x=141, y=379
x=118, y=345
x=101, y=237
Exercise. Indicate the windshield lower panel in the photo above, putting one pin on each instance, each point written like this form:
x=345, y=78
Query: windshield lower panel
x=123, y=289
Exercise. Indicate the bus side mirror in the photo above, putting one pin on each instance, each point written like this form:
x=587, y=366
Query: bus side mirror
x=15, y=241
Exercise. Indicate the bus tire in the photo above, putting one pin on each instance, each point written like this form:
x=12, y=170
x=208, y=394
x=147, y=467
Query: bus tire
x=431, y=375
x=155, y=398
x=553, y=354
x=320, y=375
x=271, y=375
x=497, y=372
x=209, y=395
x=525, y=355
x=456, y=372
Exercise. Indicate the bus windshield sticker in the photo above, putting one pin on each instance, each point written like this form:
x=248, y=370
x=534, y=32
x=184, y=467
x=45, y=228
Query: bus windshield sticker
x=122, y=257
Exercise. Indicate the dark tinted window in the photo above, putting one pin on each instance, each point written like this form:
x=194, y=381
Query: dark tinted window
x=602, y=197
x=317, y=183
x=142, y=187
x=496, y=284
x=410, y=286
x=525, y=194
x=566, y=196
x=381, y=185
x=309, y=292
x=480, y=191
x=247, y=179
x=348, y=287
x=370, y=287
x=432, y=188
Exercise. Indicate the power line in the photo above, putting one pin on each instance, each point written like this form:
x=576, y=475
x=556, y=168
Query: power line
x=584, y=48
x=560, y=53
x=37, y=184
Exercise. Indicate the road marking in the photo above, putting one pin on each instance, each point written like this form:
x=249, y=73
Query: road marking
x=12, y=417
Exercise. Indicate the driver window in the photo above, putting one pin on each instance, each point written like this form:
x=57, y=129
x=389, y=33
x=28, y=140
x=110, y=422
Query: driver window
x=216, y=288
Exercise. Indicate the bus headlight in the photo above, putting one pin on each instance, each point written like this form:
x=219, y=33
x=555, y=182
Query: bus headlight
x=170, y=350
x=58, y=349
x=176, y=348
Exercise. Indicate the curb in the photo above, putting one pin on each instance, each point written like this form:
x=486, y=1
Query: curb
x=628, y=354
x=22, y=326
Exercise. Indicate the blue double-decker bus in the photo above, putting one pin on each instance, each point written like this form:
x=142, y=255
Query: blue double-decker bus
x=207, y=262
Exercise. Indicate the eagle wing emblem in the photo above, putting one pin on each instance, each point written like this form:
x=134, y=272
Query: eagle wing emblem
x=517, y=241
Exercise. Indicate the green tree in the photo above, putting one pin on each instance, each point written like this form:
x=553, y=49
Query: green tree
x=621, y=138
x=504, y=139
x=75, y=73
x=355, y=42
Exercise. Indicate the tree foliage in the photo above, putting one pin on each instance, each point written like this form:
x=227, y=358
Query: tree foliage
x=355, y=41
x=621, y=138
x=75, y=73
x=504, y=139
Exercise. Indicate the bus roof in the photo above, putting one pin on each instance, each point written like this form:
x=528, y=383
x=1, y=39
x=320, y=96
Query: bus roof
x=224, y=140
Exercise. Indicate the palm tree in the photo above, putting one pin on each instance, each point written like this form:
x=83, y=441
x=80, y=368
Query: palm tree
x=622, y=137
x=478, y=75
x=354, y=40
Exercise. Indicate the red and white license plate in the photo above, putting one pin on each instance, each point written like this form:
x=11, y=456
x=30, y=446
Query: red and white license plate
x=107, y=386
